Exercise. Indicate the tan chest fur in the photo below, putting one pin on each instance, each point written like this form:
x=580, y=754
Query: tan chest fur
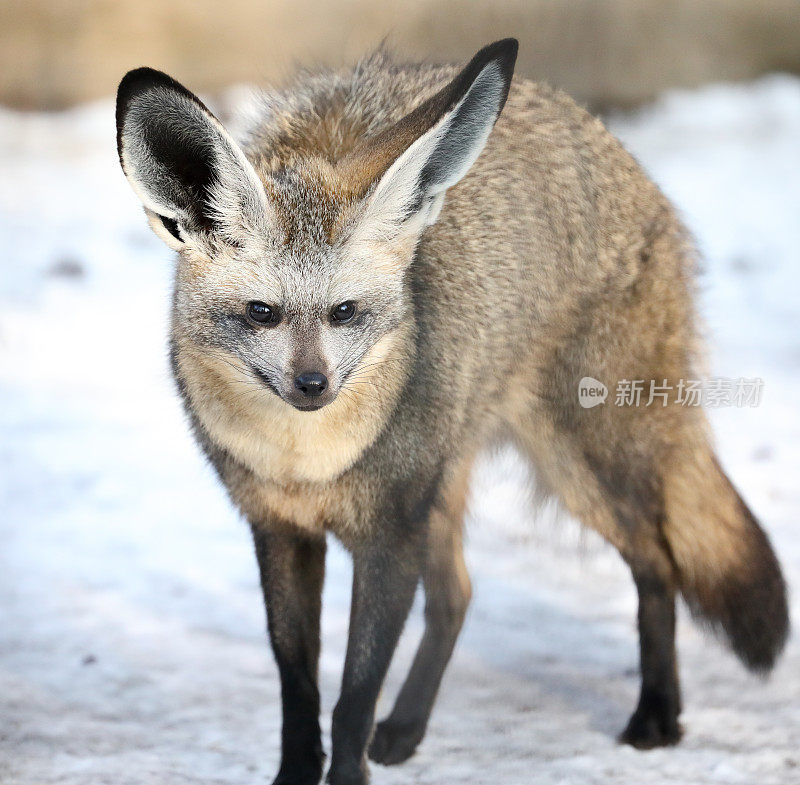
x=316, y=506
x=283, y=447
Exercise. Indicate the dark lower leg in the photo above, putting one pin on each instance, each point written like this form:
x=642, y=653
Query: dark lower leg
x=384, y=580
x=447, y=594
x=292, y=571
x=655, y=721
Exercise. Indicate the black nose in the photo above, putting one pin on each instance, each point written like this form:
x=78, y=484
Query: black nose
x=311, y=384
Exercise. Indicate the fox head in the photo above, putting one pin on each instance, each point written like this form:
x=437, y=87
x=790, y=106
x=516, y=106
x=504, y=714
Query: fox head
x=296, y=276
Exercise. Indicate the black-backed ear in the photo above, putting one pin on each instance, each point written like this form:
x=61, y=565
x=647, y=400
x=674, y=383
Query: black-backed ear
x=440, y=140
x=190, y=175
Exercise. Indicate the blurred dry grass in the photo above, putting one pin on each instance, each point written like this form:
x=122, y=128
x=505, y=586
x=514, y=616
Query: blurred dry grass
x=54, y=53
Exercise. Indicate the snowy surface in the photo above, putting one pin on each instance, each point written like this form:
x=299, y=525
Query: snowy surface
x=132, y=646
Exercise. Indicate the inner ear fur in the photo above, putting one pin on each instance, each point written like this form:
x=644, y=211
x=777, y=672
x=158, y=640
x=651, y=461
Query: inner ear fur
x=371, y=159
x=180, y=160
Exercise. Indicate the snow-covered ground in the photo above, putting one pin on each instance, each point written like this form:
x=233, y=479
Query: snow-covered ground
x=132, y=646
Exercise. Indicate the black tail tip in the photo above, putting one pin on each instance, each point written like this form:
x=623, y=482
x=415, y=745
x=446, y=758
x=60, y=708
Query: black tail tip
x=755, y=616
x=760, y=648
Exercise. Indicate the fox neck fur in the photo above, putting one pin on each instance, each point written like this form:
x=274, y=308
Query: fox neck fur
x=279, y=444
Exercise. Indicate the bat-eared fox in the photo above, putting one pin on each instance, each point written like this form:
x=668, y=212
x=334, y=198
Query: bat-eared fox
x=401, y=265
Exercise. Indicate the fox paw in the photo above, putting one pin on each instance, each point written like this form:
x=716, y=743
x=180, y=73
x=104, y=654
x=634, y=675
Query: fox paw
x=395, y=742
x=303, y=772
x=653, y=724
x=297, y=778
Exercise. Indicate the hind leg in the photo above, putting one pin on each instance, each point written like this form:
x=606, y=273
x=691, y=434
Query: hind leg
x=619, y=497
x=447, y=595
x=655, y=721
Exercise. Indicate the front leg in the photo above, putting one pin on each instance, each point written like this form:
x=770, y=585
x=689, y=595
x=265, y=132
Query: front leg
x=447, y=594
x=385, y=575
x=292, y=566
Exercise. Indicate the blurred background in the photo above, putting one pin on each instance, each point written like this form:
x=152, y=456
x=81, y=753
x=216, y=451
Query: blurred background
x=132, y=641
x=605, y=53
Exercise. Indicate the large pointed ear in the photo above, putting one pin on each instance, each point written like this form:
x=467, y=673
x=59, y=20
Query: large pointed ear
x=433, y=147
x=191, y=176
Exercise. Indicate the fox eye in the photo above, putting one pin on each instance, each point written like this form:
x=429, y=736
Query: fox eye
x=344, y=312
x=263, y=313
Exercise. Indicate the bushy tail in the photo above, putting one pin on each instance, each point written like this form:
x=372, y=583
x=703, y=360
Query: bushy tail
x=728, y=572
